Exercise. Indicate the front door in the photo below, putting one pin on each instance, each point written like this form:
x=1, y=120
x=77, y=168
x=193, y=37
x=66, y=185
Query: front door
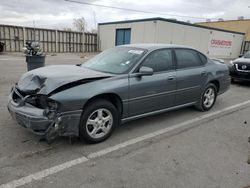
x=155, y=92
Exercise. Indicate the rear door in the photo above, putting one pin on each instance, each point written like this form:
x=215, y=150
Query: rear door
x=191, y=75
x=155, y=92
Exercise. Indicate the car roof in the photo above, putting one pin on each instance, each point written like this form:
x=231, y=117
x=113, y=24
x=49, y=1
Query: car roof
x=155, y=46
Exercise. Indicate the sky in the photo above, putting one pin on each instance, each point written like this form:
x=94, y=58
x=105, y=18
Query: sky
x=59, y=14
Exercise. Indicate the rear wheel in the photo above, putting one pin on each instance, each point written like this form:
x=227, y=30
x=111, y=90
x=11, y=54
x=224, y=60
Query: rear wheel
x=98, y=121
x=207, y=98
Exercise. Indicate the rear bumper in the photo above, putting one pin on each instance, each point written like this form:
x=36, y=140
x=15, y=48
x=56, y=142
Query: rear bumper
x=224, y=86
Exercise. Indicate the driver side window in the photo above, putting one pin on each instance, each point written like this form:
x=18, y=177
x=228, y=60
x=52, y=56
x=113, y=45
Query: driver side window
x=159, y=60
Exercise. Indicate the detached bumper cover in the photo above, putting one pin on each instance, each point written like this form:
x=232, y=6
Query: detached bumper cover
x=33, y=118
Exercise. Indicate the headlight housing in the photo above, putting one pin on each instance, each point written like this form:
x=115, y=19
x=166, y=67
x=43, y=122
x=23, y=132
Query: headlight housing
x=53, y=105
x=46, y=103
x=50, y=106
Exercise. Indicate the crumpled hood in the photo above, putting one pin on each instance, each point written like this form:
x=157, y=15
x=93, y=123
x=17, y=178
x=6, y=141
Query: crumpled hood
x=47, y=79
x=242, y=60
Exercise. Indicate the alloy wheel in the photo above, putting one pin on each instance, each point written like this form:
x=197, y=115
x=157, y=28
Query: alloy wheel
x=99, y=123
x=209, y=97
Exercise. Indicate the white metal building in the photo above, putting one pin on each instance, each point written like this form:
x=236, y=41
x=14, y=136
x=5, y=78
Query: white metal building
x=211, y=41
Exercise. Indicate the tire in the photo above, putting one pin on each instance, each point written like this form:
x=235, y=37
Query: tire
x=232, y=80
x=98, y=121
x=202, y=105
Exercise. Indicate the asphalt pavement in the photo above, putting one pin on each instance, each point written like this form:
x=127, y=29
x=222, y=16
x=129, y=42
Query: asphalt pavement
x=211, y=154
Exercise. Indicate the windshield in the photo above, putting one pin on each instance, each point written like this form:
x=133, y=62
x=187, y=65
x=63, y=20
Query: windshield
x=247, y=55
x=117, y=60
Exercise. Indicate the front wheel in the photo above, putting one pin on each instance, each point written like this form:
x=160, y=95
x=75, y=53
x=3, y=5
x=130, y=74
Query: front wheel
x=207, y=98
x=98, y=121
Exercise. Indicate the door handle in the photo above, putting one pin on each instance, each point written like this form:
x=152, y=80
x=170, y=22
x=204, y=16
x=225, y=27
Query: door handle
x=204, y=73
x=170, y=78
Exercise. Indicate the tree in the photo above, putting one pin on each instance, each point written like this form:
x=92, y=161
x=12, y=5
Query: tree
x=80, y=24
x=93, y=30
x=66, y=29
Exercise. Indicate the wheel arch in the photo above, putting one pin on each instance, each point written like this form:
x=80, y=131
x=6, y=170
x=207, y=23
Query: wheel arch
x=111, y=97
x=216, y=83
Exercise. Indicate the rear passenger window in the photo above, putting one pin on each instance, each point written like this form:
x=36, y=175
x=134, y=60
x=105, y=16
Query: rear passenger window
x=160, y=60
x=203, y=58
x=187, y=58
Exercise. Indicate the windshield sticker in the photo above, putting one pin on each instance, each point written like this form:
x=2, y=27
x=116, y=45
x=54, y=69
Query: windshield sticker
x=126, y=63
x=139, y=52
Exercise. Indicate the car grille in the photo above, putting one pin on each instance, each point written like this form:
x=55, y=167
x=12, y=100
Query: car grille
x=242, y=67
x=18, y=95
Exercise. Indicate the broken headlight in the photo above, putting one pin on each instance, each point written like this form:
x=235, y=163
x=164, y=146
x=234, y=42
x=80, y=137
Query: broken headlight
x=41, y=101
x=53, y=105
x=51, y=108
x=44, y=102
x=50, y=114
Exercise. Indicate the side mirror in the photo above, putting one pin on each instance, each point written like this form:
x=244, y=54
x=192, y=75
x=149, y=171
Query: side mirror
x=241, y=55
x=145, y=71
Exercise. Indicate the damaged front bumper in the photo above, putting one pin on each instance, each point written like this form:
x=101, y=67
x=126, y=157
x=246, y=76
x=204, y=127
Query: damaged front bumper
x=35, y=120
x=30, y=117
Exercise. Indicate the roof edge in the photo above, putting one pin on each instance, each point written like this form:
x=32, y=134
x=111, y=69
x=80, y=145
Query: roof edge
x=171, y=21
x=225, y=21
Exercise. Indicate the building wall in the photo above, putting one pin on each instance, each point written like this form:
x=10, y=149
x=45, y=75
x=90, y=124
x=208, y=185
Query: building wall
x=233, y=25
x=166, y=32
x=141, y=32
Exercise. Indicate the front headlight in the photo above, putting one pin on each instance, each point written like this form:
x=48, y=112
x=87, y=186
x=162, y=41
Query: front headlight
x=46, y=103
x=53, y=105
x=50, y=114
x=51, y=109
